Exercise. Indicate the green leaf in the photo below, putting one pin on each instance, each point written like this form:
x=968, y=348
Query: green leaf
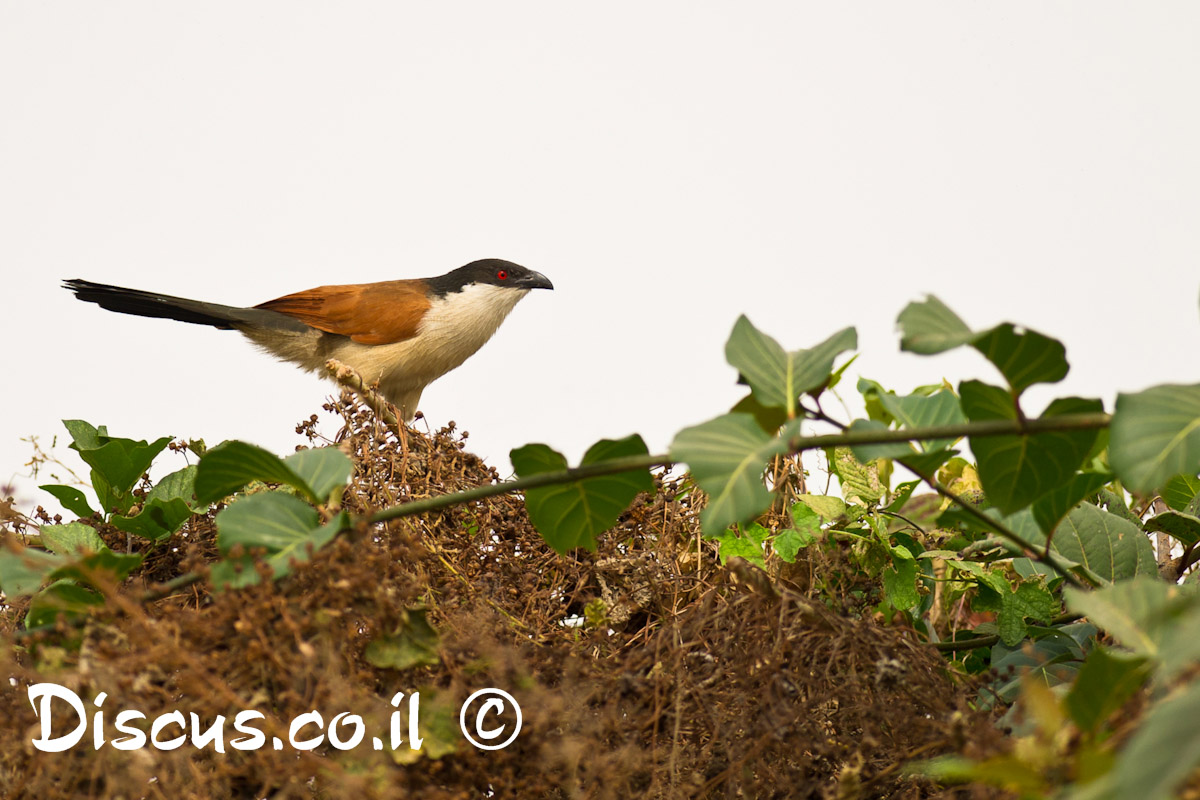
x=70, y=498
x=1028, y=601
x=828, y=507
x=413, y=643
x=1134, y=612
x=84, y=435
x=1178, y=493
x=1016, y=470
x=167, y=505
x=230, y=466
x=233, y=573
x=157, y=519
x=1005, y=771
x=1106, y=680
x=1179, y=647
x=763, y=364
x=322, y=468
x=1050, y=508
x=1155, y=435
x=790, y=541
x=180, y=485
x=769, y=419
x=777, y=377
x=1023, y=356
x=573, y=515
x=1184, y=527
x=283, y=524
x=930, y=327
x=727, y=457
x=858, y=480
x=988, y=579
x=1110, y=547
x=101, y=567
x=867, y=453
x=747, y=545
x=900, y=580
x=925, y=411
x=120, y=462
x=273, y=520
x=1164, y=750
x=813, y=368
x=23, y=571
x=60, y=598
x=71, y=539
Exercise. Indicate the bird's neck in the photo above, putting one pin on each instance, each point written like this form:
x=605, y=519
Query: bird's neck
x=471, y=315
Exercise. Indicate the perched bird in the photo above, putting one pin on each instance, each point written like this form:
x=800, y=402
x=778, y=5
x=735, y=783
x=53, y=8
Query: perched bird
x=404, y=334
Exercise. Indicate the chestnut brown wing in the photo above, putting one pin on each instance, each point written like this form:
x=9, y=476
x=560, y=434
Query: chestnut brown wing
x=369, y=313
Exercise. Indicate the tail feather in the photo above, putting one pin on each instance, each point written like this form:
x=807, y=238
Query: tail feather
x=150, y=304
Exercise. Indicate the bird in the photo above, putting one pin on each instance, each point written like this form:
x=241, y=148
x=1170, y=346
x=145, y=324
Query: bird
x=400, y=334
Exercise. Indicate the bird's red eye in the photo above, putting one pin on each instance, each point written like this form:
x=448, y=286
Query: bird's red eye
x=502, y=274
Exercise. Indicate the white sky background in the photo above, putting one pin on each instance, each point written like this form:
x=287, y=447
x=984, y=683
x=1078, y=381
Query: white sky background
x=669, y=165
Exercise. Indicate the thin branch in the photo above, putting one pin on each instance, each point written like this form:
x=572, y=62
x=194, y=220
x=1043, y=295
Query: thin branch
x=988, y=641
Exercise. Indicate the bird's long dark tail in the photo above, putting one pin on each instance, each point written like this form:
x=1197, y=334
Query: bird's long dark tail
x=150, y=304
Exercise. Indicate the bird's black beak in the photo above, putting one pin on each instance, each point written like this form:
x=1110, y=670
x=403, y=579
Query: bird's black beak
x=535, y=280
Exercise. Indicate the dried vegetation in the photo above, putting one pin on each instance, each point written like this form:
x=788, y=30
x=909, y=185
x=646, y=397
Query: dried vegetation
x=690, y=680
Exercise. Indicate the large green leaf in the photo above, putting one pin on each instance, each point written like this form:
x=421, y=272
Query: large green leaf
x=1050, y=508
x=813, y=368
x=120, y=462
x=859, y=480
x=806, y=527
x=1178, y=493
x=769, y=419
x=926, y=411
x=229, y=466
x=727, y=457
x=1155, y=434
x=1106, y=680
x=62, y=598
x=1134, y=612
x=1164, y=750
x=71, y=539
x=917, y=410
x=1027, y=601
x=1184, y=527
x=101, y=567
x=23, y=570
x=286, y=526
x=1023, y=356
x=1016, y=470
x=778, y=377
x=748, y=544
x=71, y=498
x=1110, y=547
x=900, y=579
x=930, y=327
x=157, y=519
x=168, y=504
x=1179, y=649
x=574, y=514
x=322, y=468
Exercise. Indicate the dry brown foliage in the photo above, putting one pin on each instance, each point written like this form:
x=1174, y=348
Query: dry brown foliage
x=698, y=681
